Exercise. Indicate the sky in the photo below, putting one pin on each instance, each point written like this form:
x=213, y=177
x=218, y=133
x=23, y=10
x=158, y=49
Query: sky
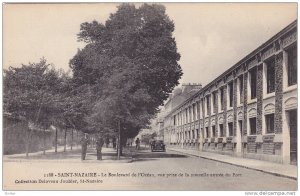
x=211, y=37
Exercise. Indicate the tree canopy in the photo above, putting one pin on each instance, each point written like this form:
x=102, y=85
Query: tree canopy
x=31, y=92
x=130, y=64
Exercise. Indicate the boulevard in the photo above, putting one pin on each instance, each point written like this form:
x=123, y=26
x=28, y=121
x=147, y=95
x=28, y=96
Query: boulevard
x=140, y=170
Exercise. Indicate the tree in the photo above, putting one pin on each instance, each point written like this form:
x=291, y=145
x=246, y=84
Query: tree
x=130, y=64
x=146, y=138
x=30, y=93
x=73, y=104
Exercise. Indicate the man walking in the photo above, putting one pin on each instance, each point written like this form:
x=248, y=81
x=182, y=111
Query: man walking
x=84, y=142
x=114, y=143
x=99, y=144
x=137, y=143
x=107, y=142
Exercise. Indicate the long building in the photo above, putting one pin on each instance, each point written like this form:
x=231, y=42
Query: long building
x=249, y=111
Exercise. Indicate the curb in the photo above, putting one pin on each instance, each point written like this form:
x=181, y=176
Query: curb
x=21, y=158
x=242, y=166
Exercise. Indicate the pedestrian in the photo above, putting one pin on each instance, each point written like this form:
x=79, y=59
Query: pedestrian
x=84, y=143
x=107, y=142
x=99, y=144
x=114, y=143
x=137, y=143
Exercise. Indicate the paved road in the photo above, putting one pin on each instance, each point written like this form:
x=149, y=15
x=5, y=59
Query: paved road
x=149, y=171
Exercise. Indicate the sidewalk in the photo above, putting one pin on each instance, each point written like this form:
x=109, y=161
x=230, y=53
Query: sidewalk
x=108, y=155
x=288, y=171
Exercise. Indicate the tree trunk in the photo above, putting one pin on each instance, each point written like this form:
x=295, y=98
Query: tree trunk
x=77, y=140
x=99, y=154
x=119, y=141
x=55, y=139
x=44, y=140
x=123, y=143
x=72, y=139
x=65, y=140
x=121, y=150
x=28, y=141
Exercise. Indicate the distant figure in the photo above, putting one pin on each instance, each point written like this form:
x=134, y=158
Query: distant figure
x=107, y=142
x=99, y=144
x=84, y=143
x=130, y=141
x=137, y=143
x=152, y=144
x=114, y=143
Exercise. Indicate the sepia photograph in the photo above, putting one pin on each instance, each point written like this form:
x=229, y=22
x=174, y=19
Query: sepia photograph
x=152, y=96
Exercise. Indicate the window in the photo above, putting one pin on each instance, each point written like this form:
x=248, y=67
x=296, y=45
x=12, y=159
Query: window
x=253, y=82
x=186, y=116
x=252, y=122
x=190, y=114
x=174, y=120
x=221, y=130
x=222, y=98
x=194, y=112
x=214, y=96
x=213, y=131
x=269, y=123
x=271, y=76
x=230, y=86
x=207, y=104
x=207, y=133
x=181, y=118
x=203, y=108
x=241, y=89
x=193, y=134
x=230, y=129
x=292, y=66
x=197, y=132
x=197, y=110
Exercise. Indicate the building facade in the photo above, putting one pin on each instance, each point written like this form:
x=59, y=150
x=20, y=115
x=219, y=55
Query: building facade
x=178, y=96
x=249, y=111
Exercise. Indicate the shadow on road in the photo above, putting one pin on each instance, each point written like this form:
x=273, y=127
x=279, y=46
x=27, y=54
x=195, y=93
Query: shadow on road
x=75, y=154
x=148, y=156
x=143, y=154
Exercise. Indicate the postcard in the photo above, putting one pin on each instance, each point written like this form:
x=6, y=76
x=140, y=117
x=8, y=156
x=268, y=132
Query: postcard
x=150, y=96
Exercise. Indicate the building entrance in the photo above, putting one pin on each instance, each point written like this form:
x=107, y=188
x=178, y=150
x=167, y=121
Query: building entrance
x=293, y=136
